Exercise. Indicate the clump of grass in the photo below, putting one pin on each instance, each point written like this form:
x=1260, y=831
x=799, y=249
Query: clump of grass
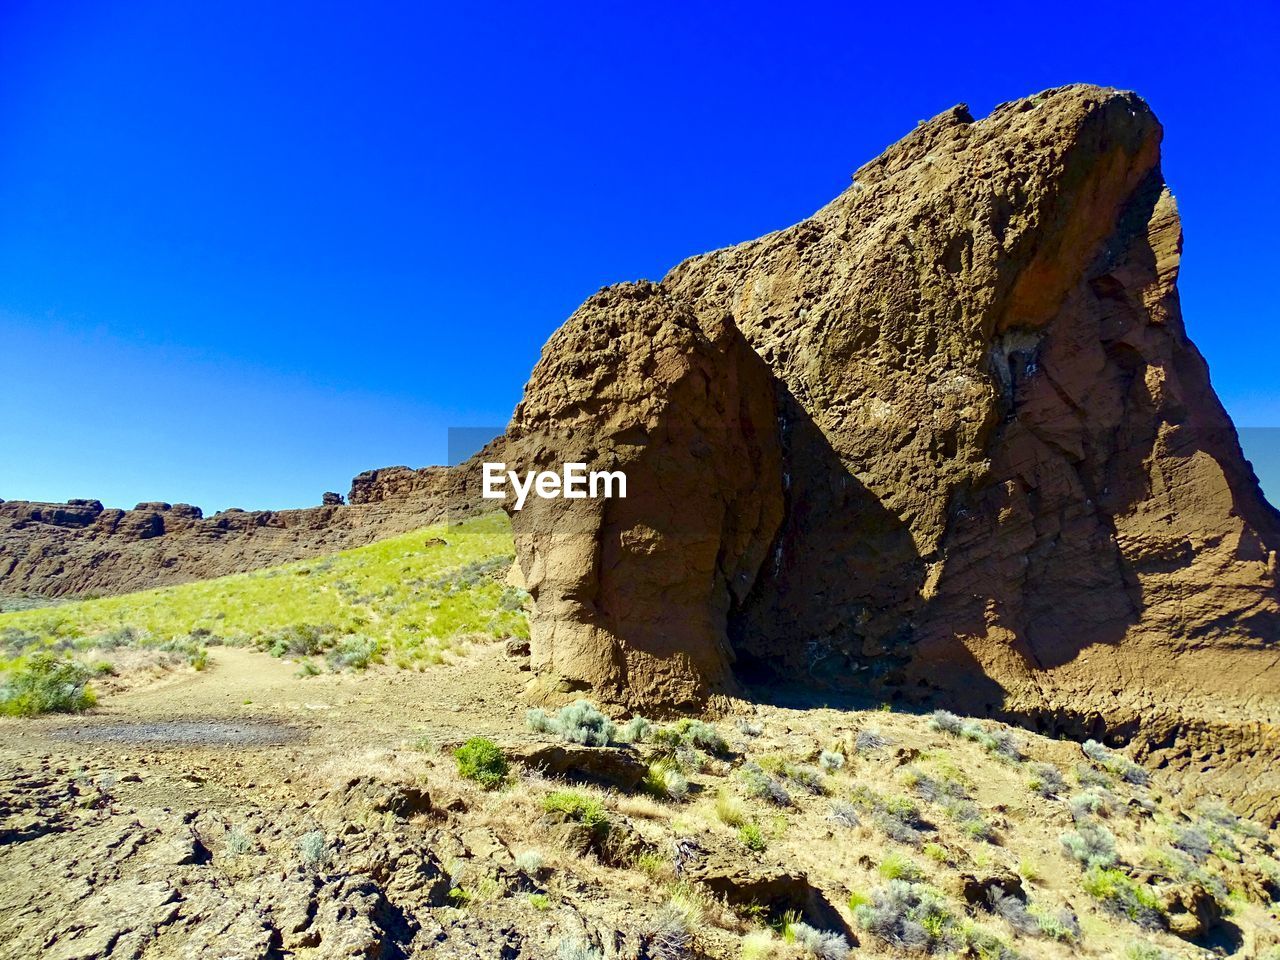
x=831, y=761
x=1123, y=896
x=937, y=853
x=1046, y=780
x=539, y=901
x=579, y=722
x=483, y=761
x=897, y=867
x=910, y=916
x=752, y=837
x=314, y=849
x=1091, y=845
x=808, y=779
x=579, y=807
x=931, y=789
x=46, y=683
x=665, y=780
x=730, y=810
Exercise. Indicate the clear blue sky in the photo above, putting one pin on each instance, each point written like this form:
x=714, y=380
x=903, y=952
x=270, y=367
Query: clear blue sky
x=249, y=249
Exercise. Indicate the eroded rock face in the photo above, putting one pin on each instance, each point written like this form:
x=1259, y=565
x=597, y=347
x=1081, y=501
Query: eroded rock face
x=633, y=594
x=983, y=463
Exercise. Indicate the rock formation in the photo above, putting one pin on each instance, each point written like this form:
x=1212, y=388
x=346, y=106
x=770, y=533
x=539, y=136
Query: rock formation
x=80, y=547
x=947, y=438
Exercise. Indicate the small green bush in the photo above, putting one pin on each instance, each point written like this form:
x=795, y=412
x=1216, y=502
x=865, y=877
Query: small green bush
x=752, y=837
x=897, y=867
x=1122, y=895
x=314, y=849
x=578, y=806
x=482, y=760
x=46, y=683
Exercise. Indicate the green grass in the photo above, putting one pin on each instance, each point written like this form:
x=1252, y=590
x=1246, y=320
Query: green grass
x=398, y=601
x=482, y=760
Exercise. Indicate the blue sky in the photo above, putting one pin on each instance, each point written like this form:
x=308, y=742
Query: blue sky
x=248, y=250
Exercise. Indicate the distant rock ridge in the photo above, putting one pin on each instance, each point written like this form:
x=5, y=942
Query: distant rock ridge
x=945, y=441
x=79, y=547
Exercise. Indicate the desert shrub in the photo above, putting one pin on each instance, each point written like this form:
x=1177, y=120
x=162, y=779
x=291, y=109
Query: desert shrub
x=762, y=786
x=314, y=849
x=635, y=730
x=539, y=901
x=822, y=944
x=910, y=916
x=968, y=818
x=1012, y=911
x=579, y=722
x=986, y=945
x=1194, y=842
x=831, y=761
x=749, y=728
x=46, y=683
x=931, y=789
x=578, y=806
x=691, y=733
x=1046, y=780
x=529, y=862
x=844, y=814
x=1088, y=776
x=808, y=779
x=1121, y=895
x=1146, y=951
x=897, y=867
x=1061, y=925
x=868, y=740
x=300, y=640
x=937, y=853
x=946, y=722
x=352, y=653
x=1091, y=845
x=238, y=843
x=1115, y=764
x=999, y=742
x=752, y=837
x=572, y=949
x=669, y=933
x=1096, y=801
x=483, y=761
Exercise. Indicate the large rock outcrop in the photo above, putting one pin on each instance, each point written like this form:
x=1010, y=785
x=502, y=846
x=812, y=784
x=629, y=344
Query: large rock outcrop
x=988, y=466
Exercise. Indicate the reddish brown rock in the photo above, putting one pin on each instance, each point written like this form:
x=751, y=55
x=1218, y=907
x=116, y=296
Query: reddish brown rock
x=1006, y=481
x=76, y=548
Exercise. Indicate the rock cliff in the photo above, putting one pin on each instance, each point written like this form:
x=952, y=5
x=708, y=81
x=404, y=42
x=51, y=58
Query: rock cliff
x=945, y=439
x=80, y=547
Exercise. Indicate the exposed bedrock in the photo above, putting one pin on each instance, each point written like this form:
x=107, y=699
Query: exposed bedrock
x=945, y=440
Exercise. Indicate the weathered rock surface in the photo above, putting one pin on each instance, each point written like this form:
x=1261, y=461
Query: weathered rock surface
x=79, y=547
x=945, y=439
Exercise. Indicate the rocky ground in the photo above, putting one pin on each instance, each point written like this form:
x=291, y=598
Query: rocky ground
x=246, y=811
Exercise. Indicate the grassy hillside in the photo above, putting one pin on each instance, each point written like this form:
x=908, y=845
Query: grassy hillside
x=405, y=601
